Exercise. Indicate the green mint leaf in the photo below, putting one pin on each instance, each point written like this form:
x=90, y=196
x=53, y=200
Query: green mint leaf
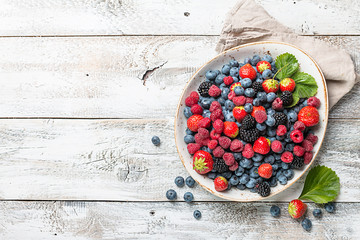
x=322, y=185
x=306, y=85
x=287, y=65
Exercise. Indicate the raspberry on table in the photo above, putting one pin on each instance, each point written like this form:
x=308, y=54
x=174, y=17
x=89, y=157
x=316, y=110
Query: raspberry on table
x=212, y=144
x=236, y=145
x=312, y=138
x=228, y=80
x=307, y=145
x=214, y=91
x=297, y=136
x=231, y=95
x=214, y=105
x=299, y=151
x=217, y=114
x=203, y=133
x=214, y=135
x=218, y=152
x=195, y=95
x=298, y=125
x=281, y=130
x=260, y=116
x=248, y=151
x=276, y=146
x=193, y=147
x=190, y=101
x=224, y=142
x=239, y=100
x=196, y=109
x=277, y=104
x=287, y=157
x=229, y=159
x=313, y=102
x=204, y=123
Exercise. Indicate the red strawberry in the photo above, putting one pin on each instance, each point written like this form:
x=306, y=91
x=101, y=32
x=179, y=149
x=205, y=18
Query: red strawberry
x=231, y=129
x=239, y=113
x=287, y=84
x=247, y=71
x=221, y=184
x=262, y=66
x=262, y=145
x=270, y=85
x=297, y=208
x=202, y=162
x=235, y=85
x=255, y=109
x=309, y=116
x=265, y=170
x=193, y=122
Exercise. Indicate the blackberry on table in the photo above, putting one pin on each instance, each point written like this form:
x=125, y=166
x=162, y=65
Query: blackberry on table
x=287, y=98
x=248, y=122
x=219, y=165
x=298, y=162
x=280, y=118
x=263, y=189
x=257, y=86
x=204, y=89
x=249, y=135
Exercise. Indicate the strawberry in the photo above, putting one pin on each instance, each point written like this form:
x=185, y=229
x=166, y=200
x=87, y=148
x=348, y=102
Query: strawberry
x=287, y=84
x=202, y=162
x=309, y=116
x=262, y=145
x=265, y=170
x=239, y=113
x=270, y=85
x=234, y=85
x=262, y=66
x=247, y=71
x=231, y=129
x=256, y=109
x=193, y=122
x=221, y=184
x=297, y=208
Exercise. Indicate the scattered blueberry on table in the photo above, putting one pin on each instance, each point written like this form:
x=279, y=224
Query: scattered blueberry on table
x=155, y=140
x=306, y=224
x=179, y=181
x=330, y=207
x=317, y=213
x=197, y=214
x=171, y=194
x=188, y=197
x=190, y=182
x=275, y=211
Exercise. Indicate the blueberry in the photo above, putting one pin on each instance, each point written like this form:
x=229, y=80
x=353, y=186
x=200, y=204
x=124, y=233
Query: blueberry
x=267, y=105
x=240, y=171
x=188, y=132
x=227, y=174
x=285, y=166
x=247, y=60
x=206, y=113
x=221, y=101
x=237, y=156
x=225, y=93
x=261, y=96
x=256, y=102
x=273, y=181
x=292, y=116
x=254, y=172
x=187, y=112
x=275, y=166
x=272, y=139
x=244, y=179
x=289, y=147
x=241, y=186
x=270, y=121
x=273, y=66
x=275, y=211
x=317, y=213
x=256, y=164
x=235, y=79
x=239, y=90
x=211, y=175
x=234, y=180
x=251, y=183
x=205, y=103
x=250, y=92
x=246, y=163
x=277, y=157
x=233, y=63
x=197, y=214
x=285, y=111
x=270, y=97
x=246, y=82
x=234, y=72
x=219, y=79
x=206, y=149
x=229, y=105
x=282, y=179
x=269, y=159
x=229, y=187
x=211, y=75
x=189, y=139
x=280, y=138
x=289, y=174
x=306, y=224
x=261, y=126
x=179, y=181
x=256, y=58
x=267, y=58
x=188, y=197
x=266, y=73
x=257, y=157
x=330, y=207
x=190, y=182
x=297, y=109
x=305, y=103
x=226, y=69
x=271, y=132
x=171, y=194
x=155, y=140
x=248, y=107
x=270, y=112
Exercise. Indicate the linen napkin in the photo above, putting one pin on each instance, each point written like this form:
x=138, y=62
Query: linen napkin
x=248, y=22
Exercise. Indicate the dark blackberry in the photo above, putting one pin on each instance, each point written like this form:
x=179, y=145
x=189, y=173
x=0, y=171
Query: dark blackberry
x=297, y=162
x=219, y=165
x=263, y=189
x=249, y=135
x=257, y=86
x=287, y=98
x=204, y=89
x=280, y=118
x=248, y=122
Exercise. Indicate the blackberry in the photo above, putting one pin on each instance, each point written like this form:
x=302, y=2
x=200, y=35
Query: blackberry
x=204, y=89
x=287, y=98
x=248, y=122
x=257, y=86
x=263, y=189
x=219, y=165
x=280, y=118
x=298, y=162
x=249, y=135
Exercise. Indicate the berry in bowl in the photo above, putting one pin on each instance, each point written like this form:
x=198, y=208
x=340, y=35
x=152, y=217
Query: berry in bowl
x=250, y=122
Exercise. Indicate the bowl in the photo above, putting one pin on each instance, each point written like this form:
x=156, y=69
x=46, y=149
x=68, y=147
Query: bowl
x=307, y=64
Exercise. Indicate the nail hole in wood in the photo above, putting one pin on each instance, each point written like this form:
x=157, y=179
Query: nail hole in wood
x=87, y=74
x=186, y=14
x=152, y=213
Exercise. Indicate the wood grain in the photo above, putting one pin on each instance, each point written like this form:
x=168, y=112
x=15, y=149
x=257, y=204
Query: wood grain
x=161, y=17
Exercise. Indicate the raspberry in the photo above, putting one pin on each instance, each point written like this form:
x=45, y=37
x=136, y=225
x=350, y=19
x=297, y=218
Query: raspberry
x=313, y=102
x=231, y=95
x=203, y=133
x=308, y=157
x=248, y=151
x=224, y=142
x=198, y=139
x=281, y=130
x=299, y=126
x=299, y=151
x=287, y=157
x=193, y=147
x=276, y=146
x=218, y=126
x=229, y=159
x=217, y=114
x=205, y=141
x=236, y=145
x=195, y=95
x=260, y=116
x=190, y=101
x=214, y=135
x=307, y=145
x=214, y=91
x=197, y=109
x=214, y=105
x=212, y=144
x=249, y=100
x=234, y=166
x=312, y=138
x=297, y=136
x=239, y=101
x=228, y=80
x=277, y=104
x=218, y=152
x=204, y=123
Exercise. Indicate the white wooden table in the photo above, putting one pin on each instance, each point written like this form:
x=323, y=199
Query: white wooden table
x=84, y=86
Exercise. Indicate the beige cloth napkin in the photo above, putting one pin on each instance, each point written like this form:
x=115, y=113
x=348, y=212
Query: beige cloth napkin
x=249, y=22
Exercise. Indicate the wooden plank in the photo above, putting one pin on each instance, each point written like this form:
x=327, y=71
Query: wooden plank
x=108, y=159
x=94, y=77
x=128, y=220
x=161, y=17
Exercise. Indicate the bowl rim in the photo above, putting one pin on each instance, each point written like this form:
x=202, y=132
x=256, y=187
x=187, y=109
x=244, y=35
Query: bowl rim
x=218, y=194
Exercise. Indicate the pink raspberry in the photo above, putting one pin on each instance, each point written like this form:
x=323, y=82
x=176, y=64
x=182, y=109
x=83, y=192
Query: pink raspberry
x=196, y=109
x=217, y=114
x=308, y=157
x=312, y=138
x=214, y=135
x=307, y=145
x=248, y=151
x=205, y=141
x=260, y=116
x=224, y=142
x=231, y=95
x=277, y=104
x=212, y=144
x=203, y=133
x=234, y=166
x=299, y=151
x=287, y=157
x=239, y=100
x=204, y=123
x=193, y=147
x=313, y=102
x=236, y=145
x=249, y=100
x=228, y=80
x=218, y=152
x=281, y=130
x=215, y=105
x=195, y=95
x=276, y=146
x=297, y=136
x=299, y=126
x=218, y=126
x=190, y=101
x=229, y=159
x=214, y=91
x=198, y=139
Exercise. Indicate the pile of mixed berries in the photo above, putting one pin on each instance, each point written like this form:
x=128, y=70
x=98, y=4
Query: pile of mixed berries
x=242, y=129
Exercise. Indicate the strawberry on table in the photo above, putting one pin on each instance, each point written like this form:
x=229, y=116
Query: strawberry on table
x=297, y=208
x=309, y=116
x=247, y=71
x=262, y=66
x=202, y=162
x=287, y=84
x=221, y=184
x=270, y=85
x=193, y=122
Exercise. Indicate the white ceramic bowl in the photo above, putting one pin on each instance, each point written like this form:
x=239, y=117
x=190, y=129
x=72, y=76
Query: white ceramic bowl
x=307, y=64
